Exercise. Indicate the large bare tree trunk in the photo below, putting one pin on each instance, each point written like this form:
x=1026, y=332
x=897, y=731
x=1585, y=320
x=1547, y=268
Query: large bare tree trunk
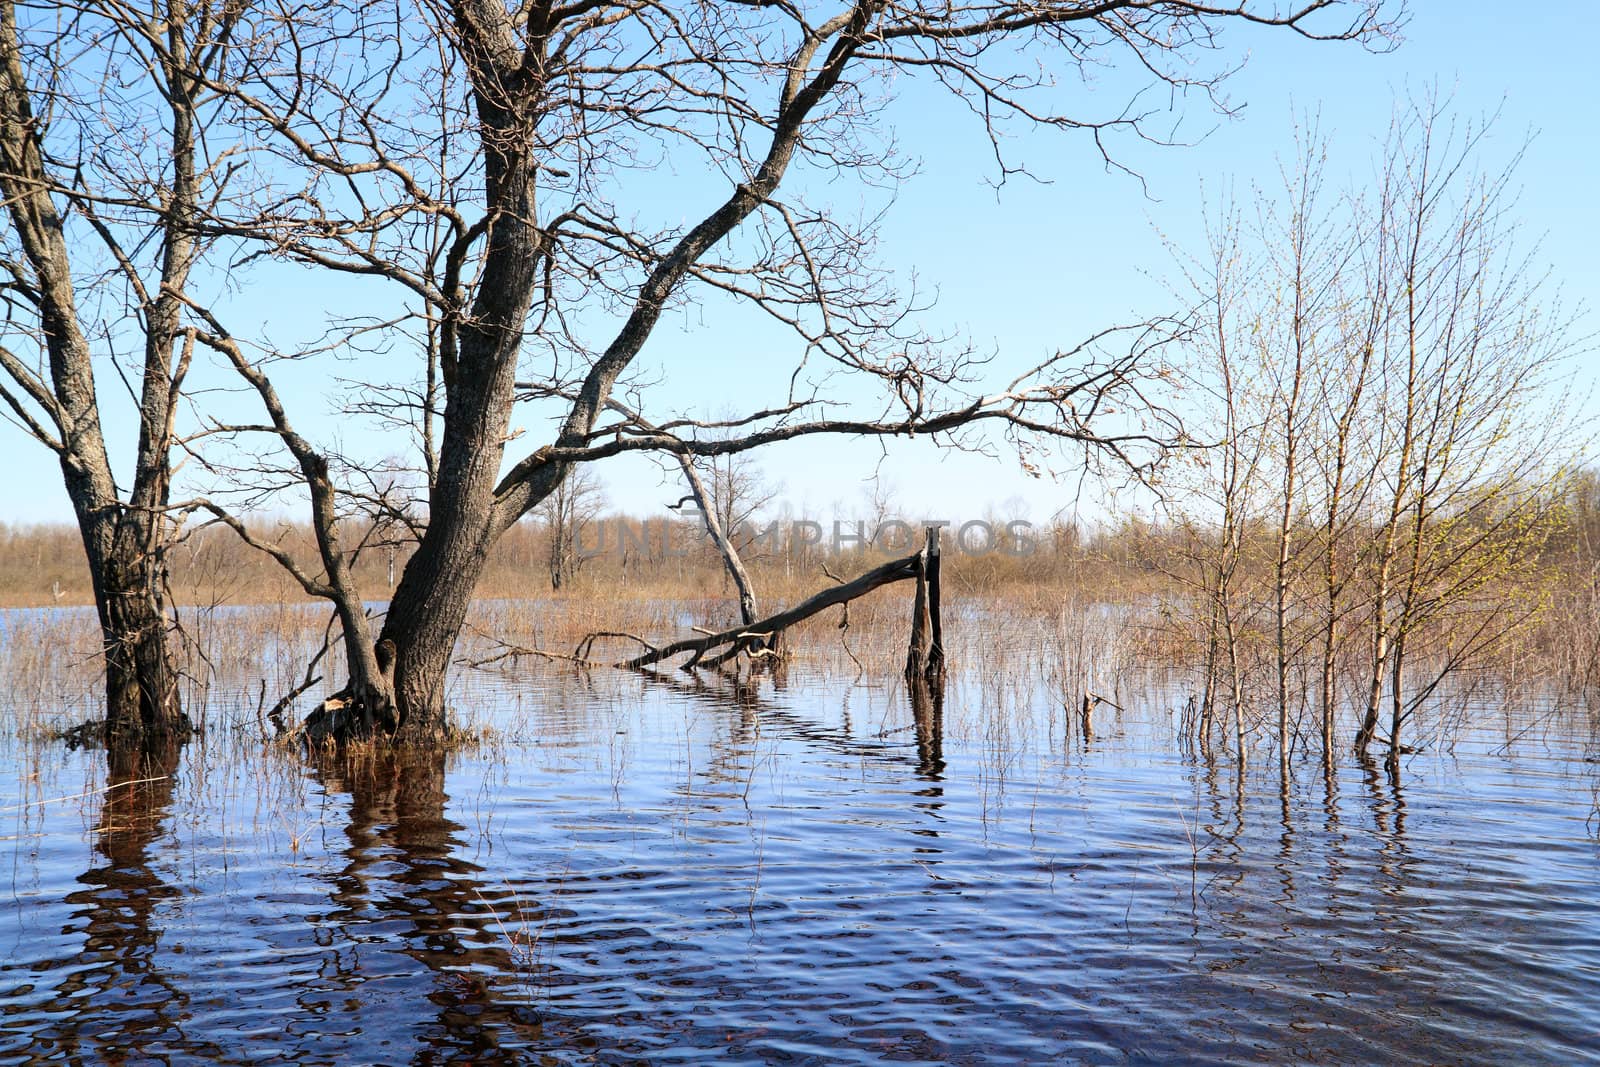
x=143, y=709
x=123, y=541
x=469, y=508
x=430, y=604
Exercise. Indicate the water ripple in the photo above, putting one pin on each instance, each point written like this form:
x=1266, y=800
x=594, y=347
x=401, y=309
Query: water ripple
x=670, y=875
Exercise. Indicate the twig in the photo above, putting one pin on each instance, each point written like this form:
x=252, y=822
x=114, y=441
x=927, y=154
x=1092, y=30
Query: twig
x=88, y=793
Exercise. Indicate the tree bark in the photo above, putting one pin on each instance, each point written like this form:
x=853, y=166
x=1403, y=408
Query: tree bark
x=430, y=604
x=925, y=657
x=123, y=542
x=143, y=709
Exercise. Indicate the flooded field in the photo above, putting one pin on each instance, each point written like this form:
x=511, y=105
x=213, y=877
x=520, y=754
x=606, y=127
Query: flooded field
x=632, y=870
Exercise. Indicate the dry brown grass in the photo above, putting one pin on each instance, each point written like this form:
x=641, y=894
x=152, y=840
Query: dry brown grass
x=239, y=660
x=44, y=565
x=50, y=663
x=1074, y=618
x=249, y=636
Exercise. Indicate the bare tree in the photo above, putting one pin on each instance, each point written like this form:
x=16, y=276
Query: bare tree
x=1472, y=352
x=1285, y=310
x=569, y=514
x=719, y=528
x=106, y=170
x=474, y=153
x=740, y=493
x=1303, y=289
x=1342, y=426
x=1387, y=369
x=1223, y=496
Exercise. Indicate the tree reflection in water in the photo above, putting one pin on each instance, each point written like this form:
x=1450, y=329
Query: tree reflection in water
x=405, y=893
x=136, y=991
x=119, y=973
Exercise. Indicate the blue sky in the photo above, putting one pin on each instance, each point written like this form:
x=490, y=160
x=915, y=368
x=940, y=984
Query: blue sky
x=1034, y=266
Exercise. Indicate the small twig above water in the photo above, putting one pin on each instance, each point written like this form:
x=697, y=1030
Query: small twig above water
x=86, y=793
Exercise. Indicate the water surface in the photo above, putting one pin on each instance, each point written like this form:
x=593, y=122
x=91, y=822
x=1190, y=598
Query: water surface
x=663, y=871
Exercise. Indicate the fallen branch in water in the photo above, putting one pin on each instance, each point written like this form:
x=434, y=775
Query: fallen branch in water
x=758, y=639
x=513, y=652
x=755, y=637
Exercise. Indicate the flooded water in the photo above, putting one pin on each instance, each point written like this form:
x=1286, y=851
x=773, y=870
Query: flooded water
x=655, y=871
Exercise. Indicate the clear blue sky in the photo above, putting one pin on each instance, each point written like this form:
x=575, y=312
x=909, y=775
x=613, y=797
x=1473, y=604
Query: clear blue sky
x=1038, y=266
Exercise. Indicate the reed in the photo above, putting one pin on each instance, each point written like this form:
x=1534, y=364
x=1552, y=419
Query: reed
x=1104, y=616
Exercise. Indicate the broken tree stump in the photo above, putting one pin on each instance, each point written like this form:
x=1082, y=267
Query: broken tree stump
x=925, y=656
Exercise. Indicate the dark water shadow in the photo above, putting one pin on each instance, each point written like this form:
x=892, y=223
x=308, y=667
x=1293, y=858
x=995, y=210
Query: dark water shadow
x=405, y=897
x=120, y=971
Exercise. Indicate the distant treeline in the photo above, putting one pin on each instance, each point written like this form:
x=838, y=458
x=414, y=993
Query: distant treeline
x=622, y=555
x=614, y=554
